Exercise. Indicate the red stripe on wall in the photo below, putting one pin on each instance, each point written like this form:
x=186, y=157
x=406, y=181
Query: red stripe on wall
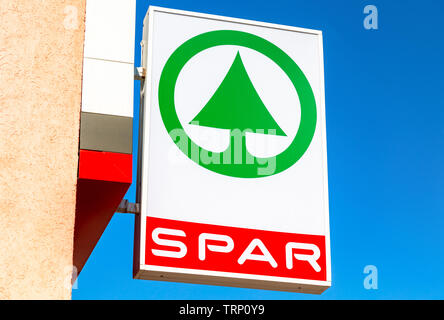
x=105, y=166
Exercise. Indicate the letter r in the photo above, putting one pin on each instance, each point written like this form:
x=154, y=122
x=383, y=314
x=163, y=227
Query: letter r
x=310, y=258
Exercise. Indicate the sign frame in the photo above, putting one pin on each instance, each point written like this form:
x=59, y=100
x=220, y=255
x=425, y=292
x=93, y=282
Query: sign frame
x=163, y=273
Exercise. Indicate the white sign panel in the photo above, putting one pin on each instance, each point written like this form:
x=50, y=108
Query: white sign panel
x=233, y=166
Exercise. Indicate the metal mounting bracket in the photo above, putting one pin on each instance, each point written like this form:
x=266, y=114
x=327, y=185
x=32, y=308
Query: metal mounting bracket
x=127, y=207
x=139, y=73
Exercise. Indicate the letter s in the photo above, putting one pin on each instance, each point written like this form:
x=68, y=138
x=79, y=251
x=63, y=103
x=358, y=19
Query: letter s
x=170, y=243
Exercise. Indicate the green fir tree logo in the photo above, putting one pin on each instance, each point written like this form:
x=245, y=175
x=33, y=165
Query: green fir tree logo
x=236, y=106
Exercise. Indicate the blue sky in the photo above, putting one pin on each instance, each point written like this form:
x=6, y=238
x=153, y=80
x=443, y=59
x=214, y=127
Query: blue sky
x=385, y=139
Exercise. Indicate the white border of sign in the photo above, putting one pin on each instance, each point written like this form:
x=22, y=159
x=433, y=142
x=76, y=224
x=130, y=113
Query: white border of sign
x=148, y=272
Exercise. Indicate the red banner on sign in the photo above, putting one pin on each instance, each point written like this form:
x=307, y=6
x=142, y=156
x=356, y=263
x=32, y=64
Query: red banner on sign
x=189, y=245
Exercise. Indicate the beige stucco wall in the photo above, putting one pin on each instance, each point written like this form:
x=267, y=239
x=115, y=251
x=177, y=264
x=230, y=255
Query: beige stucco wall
x=41, y=52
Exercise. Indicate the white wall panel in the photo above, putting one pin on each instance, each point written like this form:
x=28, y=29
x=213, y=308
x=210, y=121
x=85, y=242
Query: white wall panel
x=108, y=87
x=110, y=29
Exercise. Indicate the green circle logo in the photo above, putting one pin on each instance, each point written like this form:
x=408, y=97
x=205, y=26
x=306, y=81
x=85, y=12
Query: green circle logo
x=236, y=106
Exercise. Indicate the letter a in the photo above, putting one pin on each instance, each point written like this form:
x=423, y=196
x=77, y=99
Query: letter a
x=371, y=281
x=265, y=256
x=371, y=21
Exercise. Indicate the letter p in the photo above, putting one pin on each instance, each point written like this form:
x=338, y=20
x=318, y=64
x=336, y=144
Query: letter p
x=211, y=247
